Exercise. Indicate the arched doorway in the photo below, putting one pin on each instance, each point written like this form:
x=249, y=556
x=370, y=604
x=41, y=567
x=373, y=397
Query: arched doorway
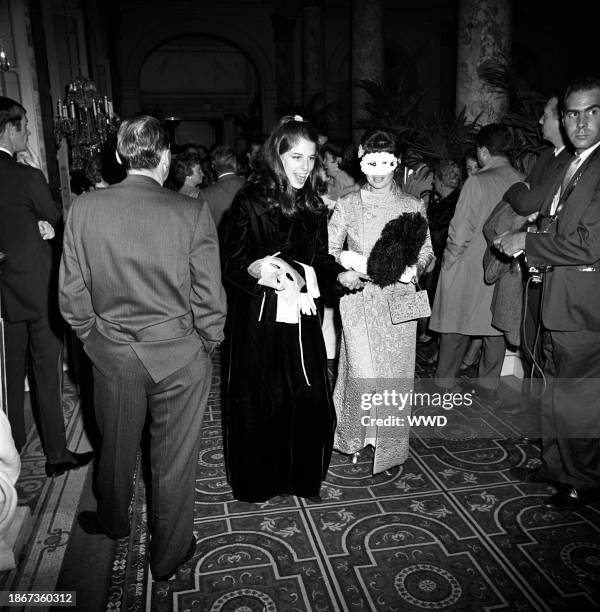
x=204, y=81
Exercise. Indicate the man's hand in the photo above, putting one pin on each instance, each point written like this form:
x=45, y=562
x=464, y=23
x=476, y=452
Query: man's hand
x=352, y=280
x=511, y=243
x=46, y=230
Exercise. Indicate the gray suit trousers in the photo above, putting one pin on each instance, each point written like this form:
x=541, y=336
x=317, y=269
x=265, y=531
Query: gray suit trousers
x=175, y=407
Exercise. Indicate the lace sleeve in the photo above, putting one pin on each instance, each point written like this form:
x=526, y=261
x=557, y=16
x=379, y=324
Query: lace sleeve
x=337, y=230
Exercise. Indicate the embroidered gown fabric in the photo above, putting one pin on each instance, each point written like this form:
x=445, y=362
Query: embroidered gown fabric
x=278, y=429
x=373, y=352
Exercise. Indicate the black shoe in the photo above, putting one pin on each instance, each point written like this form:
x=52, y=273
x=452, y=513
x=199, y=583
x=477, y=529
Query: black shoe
x=531, y=440
x=77, y=460
x=567, y=498
x=91, y=524
x=188, y=555
x=315, y=499
x=528, y=474
x=484, y=394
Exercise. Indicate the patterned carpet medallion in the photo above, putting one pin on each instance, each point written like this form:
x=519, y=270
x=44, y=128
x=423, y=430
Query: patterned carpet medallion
x=448, y=530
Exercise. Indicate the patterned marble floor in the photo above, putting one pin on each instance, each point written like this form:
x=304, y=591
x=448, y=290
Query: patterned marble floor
x=448, y=530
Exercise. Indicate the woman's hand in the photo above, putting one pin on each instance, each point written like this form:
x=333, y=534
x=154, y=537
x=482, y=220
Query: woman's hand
x=46, y=230
x=352, y=280
x=409, y=275
x=255, y=268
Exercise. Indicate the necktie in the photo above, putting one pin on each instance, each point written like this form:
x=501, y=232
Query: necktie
x=571, y=170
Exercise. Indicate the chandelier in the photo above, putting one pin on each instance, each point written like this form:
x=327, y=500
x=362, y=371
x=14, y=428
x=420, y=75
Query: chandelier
x=85, y=119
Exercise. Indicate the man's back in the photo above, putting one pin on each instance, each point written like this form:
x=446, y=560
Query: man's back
x=463, y=300
x=479, y=196
x=141, y=286
x=219, y=195
x=149, y=261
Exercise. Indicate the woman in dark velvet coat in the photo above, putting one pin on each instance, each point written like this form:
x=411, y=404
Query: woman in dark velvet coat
x=279, y=418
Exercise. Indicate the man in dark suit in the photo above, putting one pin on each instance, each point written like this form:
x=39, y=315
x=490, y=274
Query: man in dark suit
x=33, y=327
x=140, y=283
x=219, y=195
x=568, y=248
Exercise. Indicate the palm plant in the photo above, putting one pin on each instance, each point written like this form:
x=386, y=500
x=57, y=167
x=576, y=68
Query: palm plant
x=441, y=137
x=391, y=105
x=524, y=107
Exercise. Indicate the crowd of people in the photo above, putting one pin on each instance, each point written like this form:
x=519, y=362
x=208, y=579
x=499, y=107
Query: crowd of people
x=305, y=255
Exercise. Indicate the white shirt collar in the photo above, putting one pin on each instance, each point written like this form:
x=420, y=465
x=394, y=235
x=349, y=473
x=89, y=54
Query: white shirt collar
x=583, y=156
x=558, y=150
x=7, y=151
x=224, y=174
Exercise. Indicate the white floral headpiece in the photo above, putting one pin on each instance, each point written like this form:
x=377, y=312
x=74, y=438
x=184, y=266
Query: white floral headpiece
x=361, y=151
x=298, y=118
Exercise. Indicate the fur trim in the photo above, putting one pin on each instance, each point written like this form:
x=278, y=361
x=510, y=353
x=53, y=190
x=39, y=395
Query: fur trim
x=397, y=248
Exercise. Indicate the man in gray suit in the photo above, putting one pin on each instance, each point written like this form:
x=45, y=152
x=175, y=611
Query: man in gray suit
x=219, y=195
x=140, y=285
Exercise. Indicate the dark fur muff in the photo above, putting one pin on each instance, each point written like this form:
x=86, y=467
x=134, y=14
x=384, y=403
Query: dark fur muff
x=397, y=248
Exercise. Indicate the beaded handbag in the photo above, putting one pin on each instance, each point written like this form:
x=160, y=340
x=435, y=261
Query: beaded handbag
x=408, y=306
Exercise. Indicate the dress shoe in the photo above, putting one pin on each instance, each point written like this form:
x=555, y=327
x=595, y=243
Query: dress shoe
x=531, y=440
x=90, y=523
x=570, y=498
x=528, y=474
x=315, y=499
x=567, y=498
x=188, y=555
x=484, y=394
x=76, y=461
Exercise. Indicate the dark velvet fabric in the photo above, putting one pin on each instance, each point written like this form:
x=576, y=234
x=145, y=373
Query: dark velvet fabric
x=278, y=429
x=439, y=214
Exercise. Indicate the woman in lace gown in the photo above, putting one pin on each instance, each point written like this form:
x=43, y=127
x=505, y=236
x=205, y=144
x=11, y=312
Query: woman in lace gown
x=373, y=353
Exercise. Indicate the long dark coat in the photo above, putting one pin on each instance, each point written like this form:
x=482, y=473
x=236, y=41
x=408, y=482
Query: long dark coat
x=278, y=429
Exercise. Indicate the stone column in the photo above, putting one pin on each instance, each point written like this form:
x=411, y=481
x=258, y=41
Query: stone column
x=313, y=50
x=484, y=33
x=283, y=39
x=367, y=55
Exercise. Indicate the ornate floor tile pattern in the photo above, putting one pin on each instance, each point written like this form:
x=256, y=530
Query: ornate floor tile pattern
x=448, y=530
x=52, y=502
